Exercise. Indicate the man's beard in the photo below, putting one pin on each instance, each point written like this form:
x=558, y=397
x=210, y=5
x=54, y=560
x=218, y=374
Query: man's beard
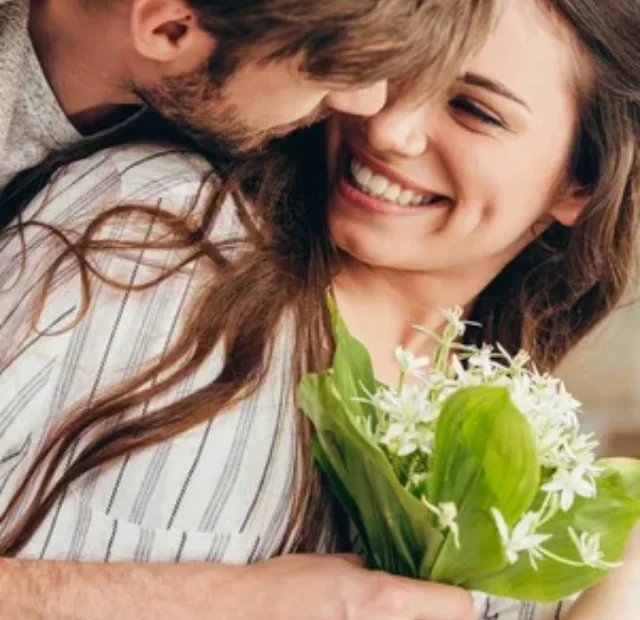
x=199, y=108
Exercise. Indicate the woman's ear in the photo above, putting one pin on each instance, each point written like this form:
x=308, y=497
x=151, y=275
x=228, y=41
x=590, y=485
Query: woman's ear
x=568, y=208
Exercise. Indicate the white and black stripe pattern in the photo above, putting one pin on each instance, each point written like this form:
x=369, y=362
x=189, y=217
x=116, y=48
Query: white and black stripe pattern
x=494, y=608
x=220, y=492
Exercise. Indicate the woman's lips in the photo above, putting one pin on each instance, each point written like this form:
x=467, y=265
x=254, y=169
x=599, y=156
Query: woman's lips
x=349, y=189
x=358, y=198
x=390, y=174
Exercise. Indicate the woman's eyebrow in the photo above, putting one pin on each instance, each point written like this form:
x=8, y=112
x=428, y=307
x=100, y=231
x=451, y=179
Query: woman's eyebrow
x=474, y=79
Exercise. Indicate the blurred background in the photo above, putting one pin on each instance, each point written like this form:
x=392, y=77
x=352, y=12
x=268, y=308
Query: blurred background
x=604, y=374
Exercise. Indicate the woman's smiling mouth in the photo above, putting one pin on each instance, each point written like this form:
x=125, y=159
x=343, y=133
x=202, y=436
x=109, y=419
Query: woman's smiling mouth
x=368, y=186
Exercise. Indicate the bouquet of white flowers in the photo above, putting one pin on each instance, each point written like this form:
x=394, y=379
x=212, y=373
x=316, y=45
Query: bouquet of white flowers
x=471, y=471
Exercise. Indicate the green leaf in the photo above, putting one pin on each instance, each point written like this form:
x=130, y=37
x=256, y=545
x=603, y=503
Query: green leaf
x=328, y=467
x=351, y=368
x=612, y=513
x=626, y=473
x=393, y=524
x=485, y=457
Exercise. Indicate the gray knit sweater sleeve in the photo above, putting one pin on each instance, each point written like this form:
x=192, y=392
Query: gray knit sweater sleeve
x=32, y=123
x=14, y=15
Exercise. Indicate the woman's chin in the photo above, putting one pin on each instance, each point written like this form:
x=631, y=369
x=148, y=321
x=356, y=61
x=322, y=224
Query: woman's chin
x=353, y=249
x=358, y=251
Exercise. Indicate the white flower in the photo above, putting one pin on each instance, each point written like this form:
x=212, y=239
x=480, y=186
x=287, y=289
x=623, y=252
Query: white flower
x=461, y=374
x=406, y=416
x=454, y=319
x=483, y=360
x=405, y=439
x=588, y=547
x=447, y=514
x=522, y=538
x=517, y=362
x=581, y=449
x=569, y=484
x=410, y=364
x=410, y=404
x=553, y=414
x=564, y=399
x=554, y=401
x=425, y=440
x=521, y=394
x=399, y=439
x=440, y=387
x=551, y=441
x=583, y=444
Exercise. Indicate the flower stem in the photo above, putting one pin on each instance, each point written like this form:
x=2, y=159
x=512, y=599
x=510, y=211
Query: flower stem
x=403, y=376
x=548, y=509
x=557, y=558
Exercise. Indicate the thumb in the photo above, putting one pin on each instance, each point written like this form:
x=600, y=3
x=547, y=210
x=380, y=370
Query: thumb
x=434, y=601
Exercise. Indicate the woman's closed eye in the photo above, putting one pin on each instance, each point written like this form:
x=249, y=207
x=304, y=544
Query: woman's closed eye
x=466, y=106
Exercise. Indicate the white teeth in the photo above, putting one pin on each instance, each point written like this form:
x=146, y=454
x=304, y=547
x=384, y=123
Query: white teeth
x=363, y=175
x=405, y=197
x=392, y=192
x=378, y=185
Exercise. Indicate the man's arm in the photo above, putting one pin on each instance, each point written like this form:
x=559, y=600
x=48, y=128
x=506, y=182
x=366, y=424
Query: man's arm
x=296, y=587
x=44, y=590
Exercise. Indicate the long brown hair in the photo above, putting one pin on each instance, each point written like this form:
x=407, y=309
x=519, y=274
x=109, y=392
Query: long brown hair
x=566, y=281
x=546, y=299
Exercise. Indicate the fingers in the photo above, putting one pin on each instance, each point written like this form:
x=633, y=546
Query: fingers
x=440, y=602
x=408, y=599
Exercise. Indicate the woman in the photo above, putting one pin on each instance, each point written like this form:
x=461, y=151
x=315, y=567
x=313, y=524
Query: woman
x=513, y=194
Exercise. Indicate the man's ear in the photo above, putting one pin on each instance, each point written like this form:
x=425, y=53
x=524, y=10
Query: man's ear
x=167, y=31
x=570, y=206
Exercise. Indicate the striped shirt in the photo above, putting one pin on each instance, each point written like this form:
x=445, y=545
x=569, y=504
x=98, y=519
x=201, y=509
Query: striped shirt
x=220, y=492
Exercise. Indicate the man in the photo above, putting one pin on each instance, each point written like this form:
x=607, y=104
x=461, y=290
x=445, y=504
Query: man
x=231, y=72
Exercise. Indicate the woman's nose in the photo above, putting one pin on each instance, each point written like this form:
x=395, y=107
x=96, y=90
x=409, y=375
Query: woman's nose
x=399, y=129
x=363, y=101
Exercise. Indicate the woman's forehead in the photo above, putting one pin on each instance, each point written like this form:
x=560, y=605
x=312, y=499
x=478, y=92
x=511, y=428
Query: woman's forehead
x=530, y=51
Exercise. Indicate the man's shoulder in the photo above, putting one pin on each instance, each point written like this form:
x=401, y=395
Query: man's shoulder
x=138, y=173
x=152, y=172
x=171, y=178
x=153, y=168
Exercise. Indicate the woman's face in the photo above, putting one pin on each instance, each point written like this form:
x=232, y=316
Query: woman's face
x=456, y=184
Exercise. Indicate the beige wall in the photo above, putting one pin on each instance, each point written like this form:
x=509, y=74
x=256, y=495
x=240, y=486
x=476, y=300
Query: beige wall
x=604, y=374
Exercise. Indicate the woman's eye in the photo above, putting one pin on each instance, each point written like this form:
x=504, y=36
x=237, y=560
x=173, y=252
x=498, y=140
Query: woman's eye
x=462, y=104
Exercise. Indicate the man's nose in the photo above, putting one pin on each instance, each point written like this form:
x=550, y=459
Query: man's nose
x=365, y=101
x=399, y=129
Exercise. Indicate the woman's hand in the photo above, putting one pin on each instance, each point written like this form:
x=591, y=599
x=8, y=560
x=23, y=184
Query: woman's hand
x=337, y=587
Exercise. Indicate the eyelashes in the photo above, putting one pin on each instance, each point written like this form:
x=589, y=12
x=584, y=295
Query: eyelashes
x=466, y=106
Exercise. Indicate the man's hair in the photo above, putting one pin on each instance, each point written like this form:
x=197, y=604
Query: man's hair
x=349, y=41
